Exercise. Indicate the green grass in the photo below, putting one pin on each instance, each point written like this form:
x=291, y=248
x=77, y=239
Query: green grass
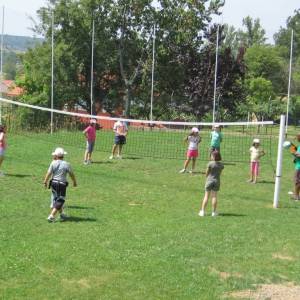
x=134, y=232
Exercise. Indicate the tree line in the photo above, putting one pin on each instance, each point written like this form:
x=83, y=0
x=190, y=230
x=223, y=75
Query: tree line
x=252, y=74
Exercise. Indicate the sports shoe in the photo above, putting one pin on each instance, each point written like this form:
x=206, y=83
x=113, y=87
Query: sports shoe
x=201, y=213
x=182, y=171
x=119, y=157
x=214, y=214
x=51, y=219
x=111, y=157
x=63, y=217
x=85, y=162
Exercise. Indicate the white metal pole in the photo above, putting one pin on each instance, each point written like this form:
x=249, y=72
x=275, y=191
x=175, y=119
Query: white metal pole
x=52, y=71
x=289, y=84
x=248, y=119
x=1, y=62
x=92, y=65
x=152, y=80
x=279, y=162
x=216, y=75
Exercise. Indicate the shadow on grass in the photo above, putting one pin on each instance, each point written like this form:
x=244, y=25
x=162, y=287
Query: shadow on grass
x=197, y=173
x=79, y=219
x=79, y=207
x=102, y=162
x=18, y=175
x=267, y=182
x=231, y=215
x=229, y=164
x=132, y=157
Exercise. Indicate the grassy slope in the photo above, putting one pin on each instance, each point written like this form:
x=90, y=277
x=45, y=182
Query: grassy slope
x=134, y=232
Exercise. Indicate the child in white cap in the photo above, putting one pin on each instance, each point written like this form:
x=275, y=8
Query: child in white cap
x=193, y=140
x=58, y=170
x=255, y=154
x=216, y=137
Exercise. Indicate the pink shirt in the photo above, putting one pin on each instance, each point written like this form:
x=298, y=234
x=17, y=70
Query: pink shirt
x=2, y=141
x=90, y=133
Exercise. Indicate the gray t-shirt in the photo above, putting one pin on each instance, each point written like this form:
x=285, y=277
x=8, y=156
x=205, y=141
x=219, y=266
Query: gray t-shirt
x=215, y=169
x=59, y=170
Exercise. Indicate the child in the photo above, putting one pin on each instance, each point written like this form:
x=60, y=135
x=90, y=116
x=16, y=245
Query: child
x=121, y=130
x=216, y=138
x=297, y=171
x=58, y=169
x=193, y=139
x=212, y=185
x=255, y=154
x=2, y=146
x=90, y=134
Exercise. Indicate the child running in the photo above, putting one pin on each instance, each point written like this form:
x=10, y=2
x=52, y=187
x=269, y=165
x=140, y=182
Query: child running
x=192, y=153
x=2, y=146
x=121, y=130
x=255, y=154
x=58, y=169
x=90, y=134
x=212, y=185
x=216, y=138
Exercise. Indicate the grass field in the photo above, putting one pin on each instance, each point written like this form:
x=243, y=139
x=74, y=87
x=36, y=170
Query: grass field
x=133, y=231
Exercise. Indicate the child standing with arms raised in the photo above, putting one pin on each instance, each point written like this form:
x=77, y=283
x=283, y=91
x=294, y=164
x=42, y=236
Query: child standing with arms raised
x=212, y=185
x=192, y=153
x=90, y=134
x=255, y=154
x=2, y=146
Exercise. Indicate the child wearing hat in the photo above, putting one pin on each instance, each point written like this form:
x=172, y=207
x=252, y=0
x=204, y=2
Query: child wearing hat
x=90, y=135
x=58, y=171
x=193, y=140
x=216, y=137
x=255, y=154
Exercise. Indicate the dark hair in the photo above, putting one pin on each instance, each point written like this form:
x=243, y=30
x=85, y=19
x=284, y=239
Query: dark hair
x=216, y=155
x=1, y=128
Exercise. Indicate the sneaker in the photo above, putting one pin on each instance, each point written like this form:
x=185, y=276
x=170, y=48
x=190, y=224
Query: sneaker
x=111, y=157
x=201, y=213
x=51, y=219
x=119, y=157
x=63, y=217
x=214, y=214
x=182, y=171
x=85, y=162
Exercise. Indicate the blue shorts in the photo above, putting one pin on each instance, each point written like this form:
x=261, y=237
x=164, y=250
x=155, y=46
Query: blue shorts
x=120, y=139
x=2, y=152
x=90, y=146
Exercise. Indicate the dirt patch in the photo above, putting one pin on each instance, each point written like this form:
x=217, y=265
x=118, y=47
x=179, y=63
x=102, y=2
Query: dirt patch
x=283, y=257
x=225, y=275
x=269, y=292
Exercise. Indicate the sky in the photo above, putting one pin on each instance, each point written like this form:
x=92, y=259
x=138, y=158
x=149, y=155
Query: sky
x=272, y=13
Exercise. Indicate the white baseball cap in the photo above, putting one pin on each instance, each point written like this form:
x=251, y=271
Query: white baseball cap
x=59, y=152
x=93, y=121
x=216, y=126
x=256, y=141
x=195, y=129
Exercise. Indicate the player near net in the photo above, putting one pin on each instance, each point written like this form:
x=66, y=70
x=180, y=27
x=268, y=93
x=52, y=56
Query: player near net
x=90, y=135
x=121, y=130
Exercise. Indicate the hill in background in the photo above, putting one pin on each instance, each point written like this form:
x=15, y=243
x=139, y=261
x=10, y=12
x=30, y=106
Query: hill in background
x=20, y=43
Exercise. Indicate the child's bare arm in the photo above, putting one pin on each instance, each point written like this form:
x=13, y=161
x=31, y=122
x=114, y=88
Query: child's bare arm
x=46, y=179
x=207, y=172
x=72, y=175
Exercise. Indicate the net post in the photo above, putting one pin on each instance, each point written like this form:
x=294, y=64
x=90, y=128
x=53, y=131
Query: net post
x=52, y=71
x=279, y=161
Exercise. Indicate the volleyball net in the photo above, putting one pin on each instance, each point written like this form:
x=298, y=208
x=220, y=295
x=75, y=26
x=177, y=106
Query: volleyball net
x=154, y=139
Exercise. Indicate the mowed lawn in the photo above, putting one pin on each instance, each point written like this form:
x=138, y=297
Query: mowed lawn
x=134, y=232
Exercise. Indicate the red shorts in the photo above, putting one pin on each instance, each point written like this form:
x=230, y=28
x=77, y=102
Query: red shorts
x=192, y=153
x=254, y=167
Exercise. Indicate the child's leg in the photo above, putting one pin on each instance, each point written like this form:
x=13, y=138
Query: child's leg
x=1, y=160
x=251, y=172
x=120, y=150
x=256, y=170
x=297, y=191
x=86, y=155
x=114, y=150
x=186, y=163
x=194, y=164
x=214, y=200
x=205, y=200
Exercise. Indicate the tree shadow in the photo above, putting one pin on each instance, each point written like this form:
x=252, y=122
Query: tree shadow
x=79, y=207
x=79, y=219
x=18, y=175
x=231, y=215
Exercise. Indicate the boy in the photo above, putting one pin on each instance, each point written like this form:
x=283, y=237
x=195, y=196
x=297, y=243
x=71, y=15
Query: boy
x=297, y=171
x=90, y=134
x=58, y=169
x=120, y=129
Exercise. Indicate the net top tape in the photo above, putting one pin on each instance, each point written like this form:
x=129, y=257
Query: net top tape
x=149, y=122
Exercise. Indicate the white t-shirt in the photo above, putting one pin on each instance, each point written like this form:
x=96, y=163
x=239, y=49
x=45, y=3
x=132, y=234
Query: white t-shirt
x=120, y=128
x=255, y=154
x=193, y=142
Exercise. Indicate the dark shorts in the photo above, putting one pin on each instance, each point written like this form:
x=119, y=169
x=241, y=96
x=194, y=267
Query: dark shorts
x=120, y=139
x=90, y=146
x=59, y=190
x=297, y=177
x=212, y=149
x=213, y=185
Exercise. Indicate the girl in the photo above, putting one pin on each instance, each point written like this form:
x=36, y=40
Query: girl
x=90, y=135
x=192, y=153
x=2, y=146
x=216, y=137
x=255, y=154
x=212, y=185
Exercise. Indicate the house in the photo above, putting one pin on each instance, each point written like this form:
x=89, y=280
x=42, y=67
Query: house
x=8, y=89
